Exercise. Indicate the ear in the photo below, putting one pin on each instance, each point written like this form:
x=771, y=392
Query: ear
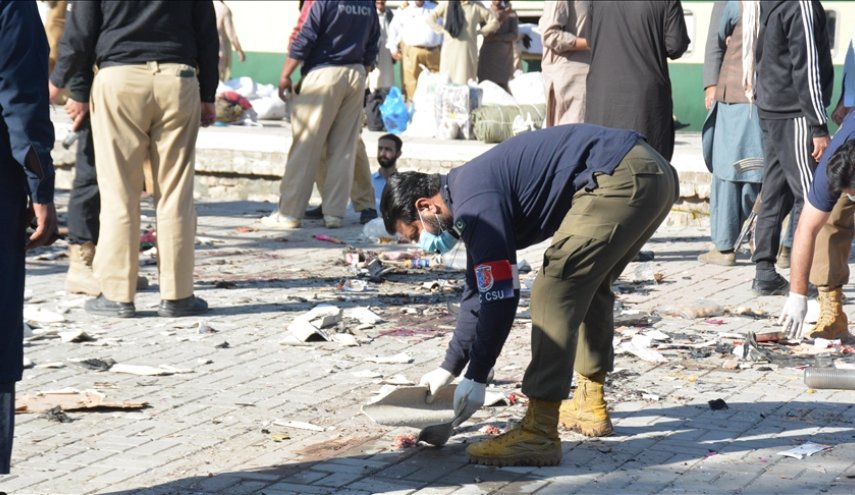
x=426, y=205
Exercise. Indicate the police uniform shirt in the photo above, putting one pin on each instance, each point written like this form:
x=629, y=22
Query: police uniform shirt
x=511, y=197
x=819, y=196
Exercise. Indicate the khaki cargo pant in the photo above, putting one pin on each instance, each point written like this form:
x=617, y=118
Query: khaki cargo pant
x=833, y=243
x=145, y=114
x=362, y=191
x=326, y=114
x=412, y=58
x=572, y=302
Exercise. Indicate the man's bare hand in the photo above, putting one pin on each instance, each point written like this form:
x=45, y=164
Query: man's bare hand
x=54, y=93
x=819, y=145
x=46, y=230
x=840, y=113
x=284, y=89
x=709, y=96
x=396, y=56
x=209, y=114
x=76, y=111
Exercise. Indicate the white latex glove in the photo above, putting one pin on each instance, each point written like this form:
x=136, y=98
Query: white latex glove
x=468, y=398
x=434, y=381
x=793, y=315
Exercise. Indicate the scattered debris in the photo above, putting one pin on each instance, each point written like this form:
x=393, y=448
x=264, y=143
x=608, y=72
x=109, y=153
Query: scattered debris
x=95, y=364
x=222, y=345
x=363, y=315
x=299, y=425
x=244, y=230
x=355, y=285
x=345, y=339
x=327, y=238
x=279, y=437
x=491, y=430
x=57, y=415
x=28, y=363
x=717, y=404
x=75, y=337
x=309, y=326
x=400, y=358
x=202, y=327
x=404, y=441
x=141, y=370
x=71, y=400
x=770, y=336
x=367, y=374
x=398, y=380
x=36, y=316
x=804, y=450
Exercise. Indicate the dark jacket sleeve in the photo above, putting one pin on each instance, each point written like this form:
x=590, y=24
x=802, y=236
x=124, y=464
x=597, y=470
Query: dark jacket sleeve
x=208, y=45
x=24, y=95
x=676, y=36
x=801, y=37
x=77, y=45
x=373, y=47
x=80, y=85
x=714, y=50
x=302, y=45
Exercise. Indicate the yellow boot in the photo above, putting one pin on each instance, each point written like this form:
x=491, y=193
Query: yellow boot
x=832, y=323
x=80, y=279
x=586, y=413
x=533, y=442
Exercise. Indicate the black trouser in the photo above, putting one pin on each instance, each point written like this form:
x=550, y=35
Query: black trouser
x=7, y=424
x=84, y=202
x=787, y=173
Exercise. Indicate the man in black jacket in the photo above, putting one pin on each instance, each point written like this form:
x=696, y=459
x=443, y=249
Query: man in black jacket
x=794, y=83
x=156, y=79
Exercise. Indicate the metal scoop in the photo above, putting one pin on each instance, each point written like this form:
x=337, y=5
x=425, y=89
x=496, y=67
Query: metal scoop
x=438, y=434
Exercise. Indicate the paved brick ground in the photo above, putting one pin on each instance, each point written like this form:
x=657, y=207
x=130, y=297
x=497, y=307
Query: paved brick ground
x=212, y=431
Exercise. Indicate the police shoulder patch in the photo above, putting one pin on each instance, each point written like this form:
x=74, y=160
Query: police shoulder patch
x=496, y=280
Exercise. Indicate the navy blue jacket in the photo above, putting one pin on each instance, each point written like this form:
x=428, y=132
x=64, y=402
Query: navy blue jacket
x=344, y=32
x=509, y=198
x=25, y=130
x=819, y=196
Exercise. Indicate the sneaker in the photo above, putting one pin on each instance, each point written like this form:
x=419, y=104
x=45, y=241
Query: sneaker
x=775, y=287
x=281, y=221
x=189, y=306
x=102, y=306
x=716, y=257
x=332, y=222
x=314, y=213
x=367, y=215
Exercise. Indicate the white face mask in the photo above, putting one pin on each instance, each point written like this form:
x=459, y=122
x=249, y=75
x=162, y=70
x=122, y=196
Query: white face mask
x=851, y=197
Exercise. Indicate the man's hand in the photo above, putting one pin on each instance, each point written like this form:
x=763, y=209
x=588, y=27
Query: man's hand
x=76, y=111
x=284, y=89
x=396, y=55
x=434, y=381
x=840, y=113
x=709, y=96
x=209, y=114
x=468, y=398
x=54, y=93
x=819, y=145
x=793, y=315
x=242, y=56
x=45, y=224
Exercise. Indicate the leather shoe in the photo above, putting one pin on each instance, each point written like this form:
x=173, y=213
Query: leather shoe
x=314, y=213
x=775, y=287
x=189, y=306
x=102, y=306
x=367, y=215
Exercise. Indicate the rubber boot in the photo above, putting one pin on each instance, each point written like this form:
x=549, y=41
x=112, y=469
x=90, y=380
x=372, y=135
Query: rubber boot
x=586, y=413
x=832, y=323
x=80, y=279
x=533, y=442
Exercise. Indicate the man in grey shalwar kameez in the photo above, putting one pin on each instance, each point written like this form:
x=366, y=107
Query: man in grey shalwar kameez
x=628, y=82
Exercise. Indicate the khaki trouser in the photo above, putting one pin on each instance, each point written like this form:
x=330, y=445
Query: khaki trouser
x=362, y=191
x=325, y=115
x=54, y=26
x=411, y=57
x=145, y=116
x=833, y=243
x=572, y=302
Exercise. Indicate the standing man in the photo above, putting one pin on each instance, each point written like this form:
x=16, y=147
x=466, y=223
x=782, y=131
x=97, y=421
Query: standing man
x=26, y=176
x=228, y=40
x=383, y=75
x=794, y=79
x=628, y=82
x=600, y=193
x=824, y=239
x=412, y=41
x=148, y=98
x=336, y=46
x=566, y=59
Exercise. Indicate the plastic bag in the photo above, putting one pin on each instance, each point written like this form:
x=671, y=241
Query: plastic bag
x=394, y=112
x=376, y=231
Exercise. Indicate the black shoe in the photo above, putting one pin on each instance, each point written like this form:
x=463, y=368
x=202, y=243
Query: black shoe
x=189, y=306
x=102, y=306
x=314, y=213
x=367, y=215
x=775, y=287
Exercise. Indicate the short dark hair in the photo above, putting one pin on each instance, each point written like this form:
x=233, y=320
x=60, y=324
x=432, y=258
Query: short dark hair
x=398, y=202
x=391, y=137
x=841, y=168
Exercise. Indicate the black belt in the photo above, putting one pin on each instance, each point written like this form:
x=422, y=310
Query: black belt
x=427, y=47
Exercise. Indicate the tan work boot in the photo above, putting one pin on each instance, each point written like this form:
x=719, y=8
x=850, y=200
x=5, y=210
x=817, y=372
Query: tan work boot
x=80, y=279
x=783, y=258
x=586, y=413
x=716, y=257
x=832, y=323
x=533, y=442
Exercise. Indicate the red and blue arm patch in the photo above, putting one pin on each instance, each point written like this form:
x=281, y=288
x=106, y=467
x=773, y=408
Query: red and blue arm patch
x=496, y=280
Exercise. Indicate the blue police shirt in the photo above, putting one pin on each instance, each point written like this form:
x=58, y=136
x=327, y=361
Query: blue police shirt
x=511, y=197
x=819, y=196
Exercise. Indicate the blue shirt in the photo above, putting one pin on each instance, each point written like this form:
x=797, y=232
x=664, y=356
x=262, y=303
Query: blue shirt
x=338, y=32
x=819, y=196
x=515, y=195
x=379, y=182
